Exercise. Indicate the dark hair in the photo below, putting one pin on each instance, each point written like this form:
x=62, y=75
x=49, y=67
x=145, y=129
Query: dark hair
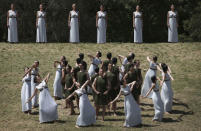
x=97, y=70
x=69, y=67
x=81, y=55
x=99, y=54
x=78, y=60
x=155, y=58
x=114, y=60
x=109, y=55
x=84, y=64
x=129, y=58
x=132, y=55
x=153, y=79
x=65, y=62
x=164, y=67
x=36, y=62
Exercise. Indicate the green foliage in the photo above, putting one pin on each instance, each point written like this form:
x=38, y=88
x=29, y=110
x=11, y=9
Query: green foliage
x=119, y=19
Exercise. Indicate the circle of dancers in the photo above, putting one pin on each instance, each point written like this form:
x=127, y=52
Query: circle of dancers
x=101, y=25
x=105, y=81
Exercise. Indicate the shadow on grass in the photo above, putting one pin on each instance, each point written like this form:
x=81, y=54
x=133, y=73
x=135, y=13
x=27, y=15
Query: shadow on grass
x=145, y=104
x=60, y=121
x=35, y=113
x=179, y=103
x=147, y=125
x=147, y=115
x=169, y=120
x=114, y=119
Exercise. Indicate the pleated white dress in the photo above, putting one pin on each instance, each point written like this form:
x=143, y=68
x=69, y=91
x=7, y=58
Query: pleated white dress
x=26, y=93
x=87, y=115
x=158, y=104
x=41, y=29
x=147, y=81
x=138, y=27
x=167, y=93
x=101, y=30
x=12, y=29
x=131, y=108
x=47, y=105
x=94, y=64
x=58, y=88
x=172, y=30
x=74, y=27
x=34, y=73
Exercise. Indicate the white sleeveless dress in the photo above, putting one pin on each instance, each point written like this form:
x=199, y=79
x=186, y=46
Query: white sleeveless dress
x=26, y=93
x=131, y=108
x=172, y=30
x=47, y=105
x=41, y=29
x=34, y=73
x=158, y=104
x=74, y=27
x=87, y=115
x=58, y=88
x=167, y=93
x=101, y=30
x=147, y=81
x=12, y=29
x=138, y=27
x=94, y=64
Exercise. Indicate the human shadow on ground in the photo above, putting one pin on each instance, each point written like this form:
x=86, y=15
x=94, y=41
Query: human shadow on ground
x=169, y=120
x=147, y=115
x=179, y=103
x=35, y=113
x=145, y=104
x=111, y=119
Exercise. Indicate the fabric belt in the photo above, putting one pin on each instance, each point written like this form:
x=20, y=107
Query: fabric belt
x=126, y=94
x=156, y=90
x=167, y=80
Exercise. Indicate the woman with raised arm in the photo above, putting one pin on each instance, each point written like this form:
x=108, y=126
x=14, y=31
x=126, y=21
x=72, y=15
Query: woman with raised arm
x=172, y=23
x=131, y=108
x=158, y=104
x=47, y=105
x=12, y=25
x=41, y=25
x=153, y=66
x=95, y=62
x=166, y=92
x=137, y=25
x=101, y=25
x=100, y=88
x=87, y=115
x=26, y=92
x=73, y=24
x=58, y=89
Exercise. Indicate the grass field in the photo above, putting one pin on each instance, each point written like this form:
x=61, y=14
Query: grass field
x=184, y=60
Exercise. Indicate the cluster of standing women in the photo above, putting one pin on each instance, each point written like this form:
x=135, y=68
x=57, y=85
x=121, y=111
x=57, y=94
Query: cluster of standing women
x=105, y=81
x=101, y=24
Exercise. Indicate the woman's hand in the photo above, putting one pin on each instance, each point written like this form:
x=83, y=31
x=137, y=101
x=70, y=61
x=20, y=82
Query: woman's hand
x=97, y=92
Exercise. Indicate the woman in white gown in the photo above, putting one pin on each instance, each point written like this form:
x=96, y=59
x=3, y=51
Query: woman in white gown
x=95, y=62
x=166, y=92
x=41, y=26
x=73, y=24
x=26, y=92
x=58, y=88
x=153, y=66
x=158, y=104
x=101, y=25
x=12, y=25
x=137, y=25
x=131, y=108
x=47, y=105
x=172, y=23
x=87, y=115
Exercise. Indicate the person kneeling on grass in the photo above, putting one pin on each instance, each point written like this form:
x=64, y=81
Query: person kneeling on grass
x=158, y=104
x=87, y=115
x=47, y=105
